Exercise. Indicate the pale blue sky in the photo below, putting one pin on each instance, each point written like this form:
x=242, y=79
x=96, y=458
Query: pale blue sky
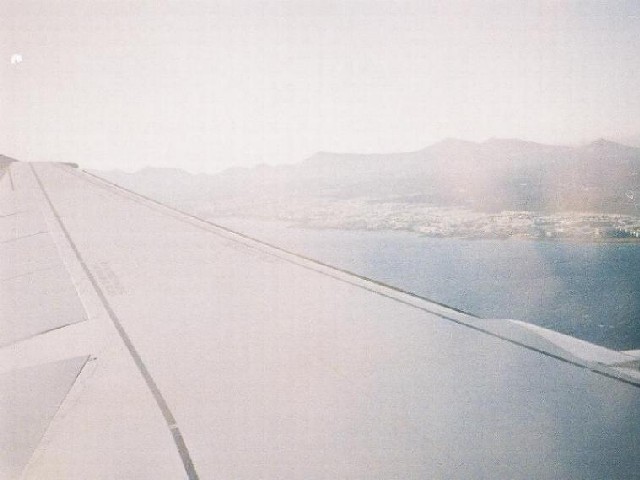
x=205, y=85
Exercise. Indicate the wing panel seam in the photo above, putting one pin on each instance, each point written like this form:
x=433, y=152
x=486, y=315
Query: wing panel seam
x=170, y=420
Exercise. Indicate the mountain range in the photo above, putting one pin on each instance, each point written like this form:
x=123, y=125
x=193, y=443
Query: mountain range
x=495, y=175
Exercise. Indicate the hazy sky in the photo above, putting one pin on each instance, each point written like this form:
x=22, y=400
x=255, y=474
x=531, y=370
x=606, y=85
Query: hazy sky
x=208, y=84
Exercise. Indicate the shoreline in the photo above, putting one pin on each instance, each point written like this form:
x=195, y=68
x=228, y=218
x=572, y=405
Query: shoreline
x=302, y=225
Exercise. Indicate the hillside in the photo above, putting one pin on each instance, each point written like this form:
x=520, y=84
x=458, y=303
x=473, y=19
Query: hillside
x=492, y=176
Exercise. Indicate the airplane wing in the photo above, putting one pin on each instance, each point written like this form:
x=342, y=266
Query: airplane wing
x=141, y=342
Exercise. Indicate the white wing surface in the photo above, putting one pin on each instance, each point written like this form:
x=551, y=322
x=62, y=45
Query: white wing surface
x=139, y=342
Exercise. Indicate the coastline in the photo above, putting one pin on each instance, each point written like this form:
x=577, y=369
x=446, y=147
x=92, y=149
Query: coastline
x=293, y=223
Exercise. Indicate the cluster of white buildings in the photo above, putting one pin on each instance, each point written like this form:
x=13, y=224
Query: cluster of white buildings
x=374, y=214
